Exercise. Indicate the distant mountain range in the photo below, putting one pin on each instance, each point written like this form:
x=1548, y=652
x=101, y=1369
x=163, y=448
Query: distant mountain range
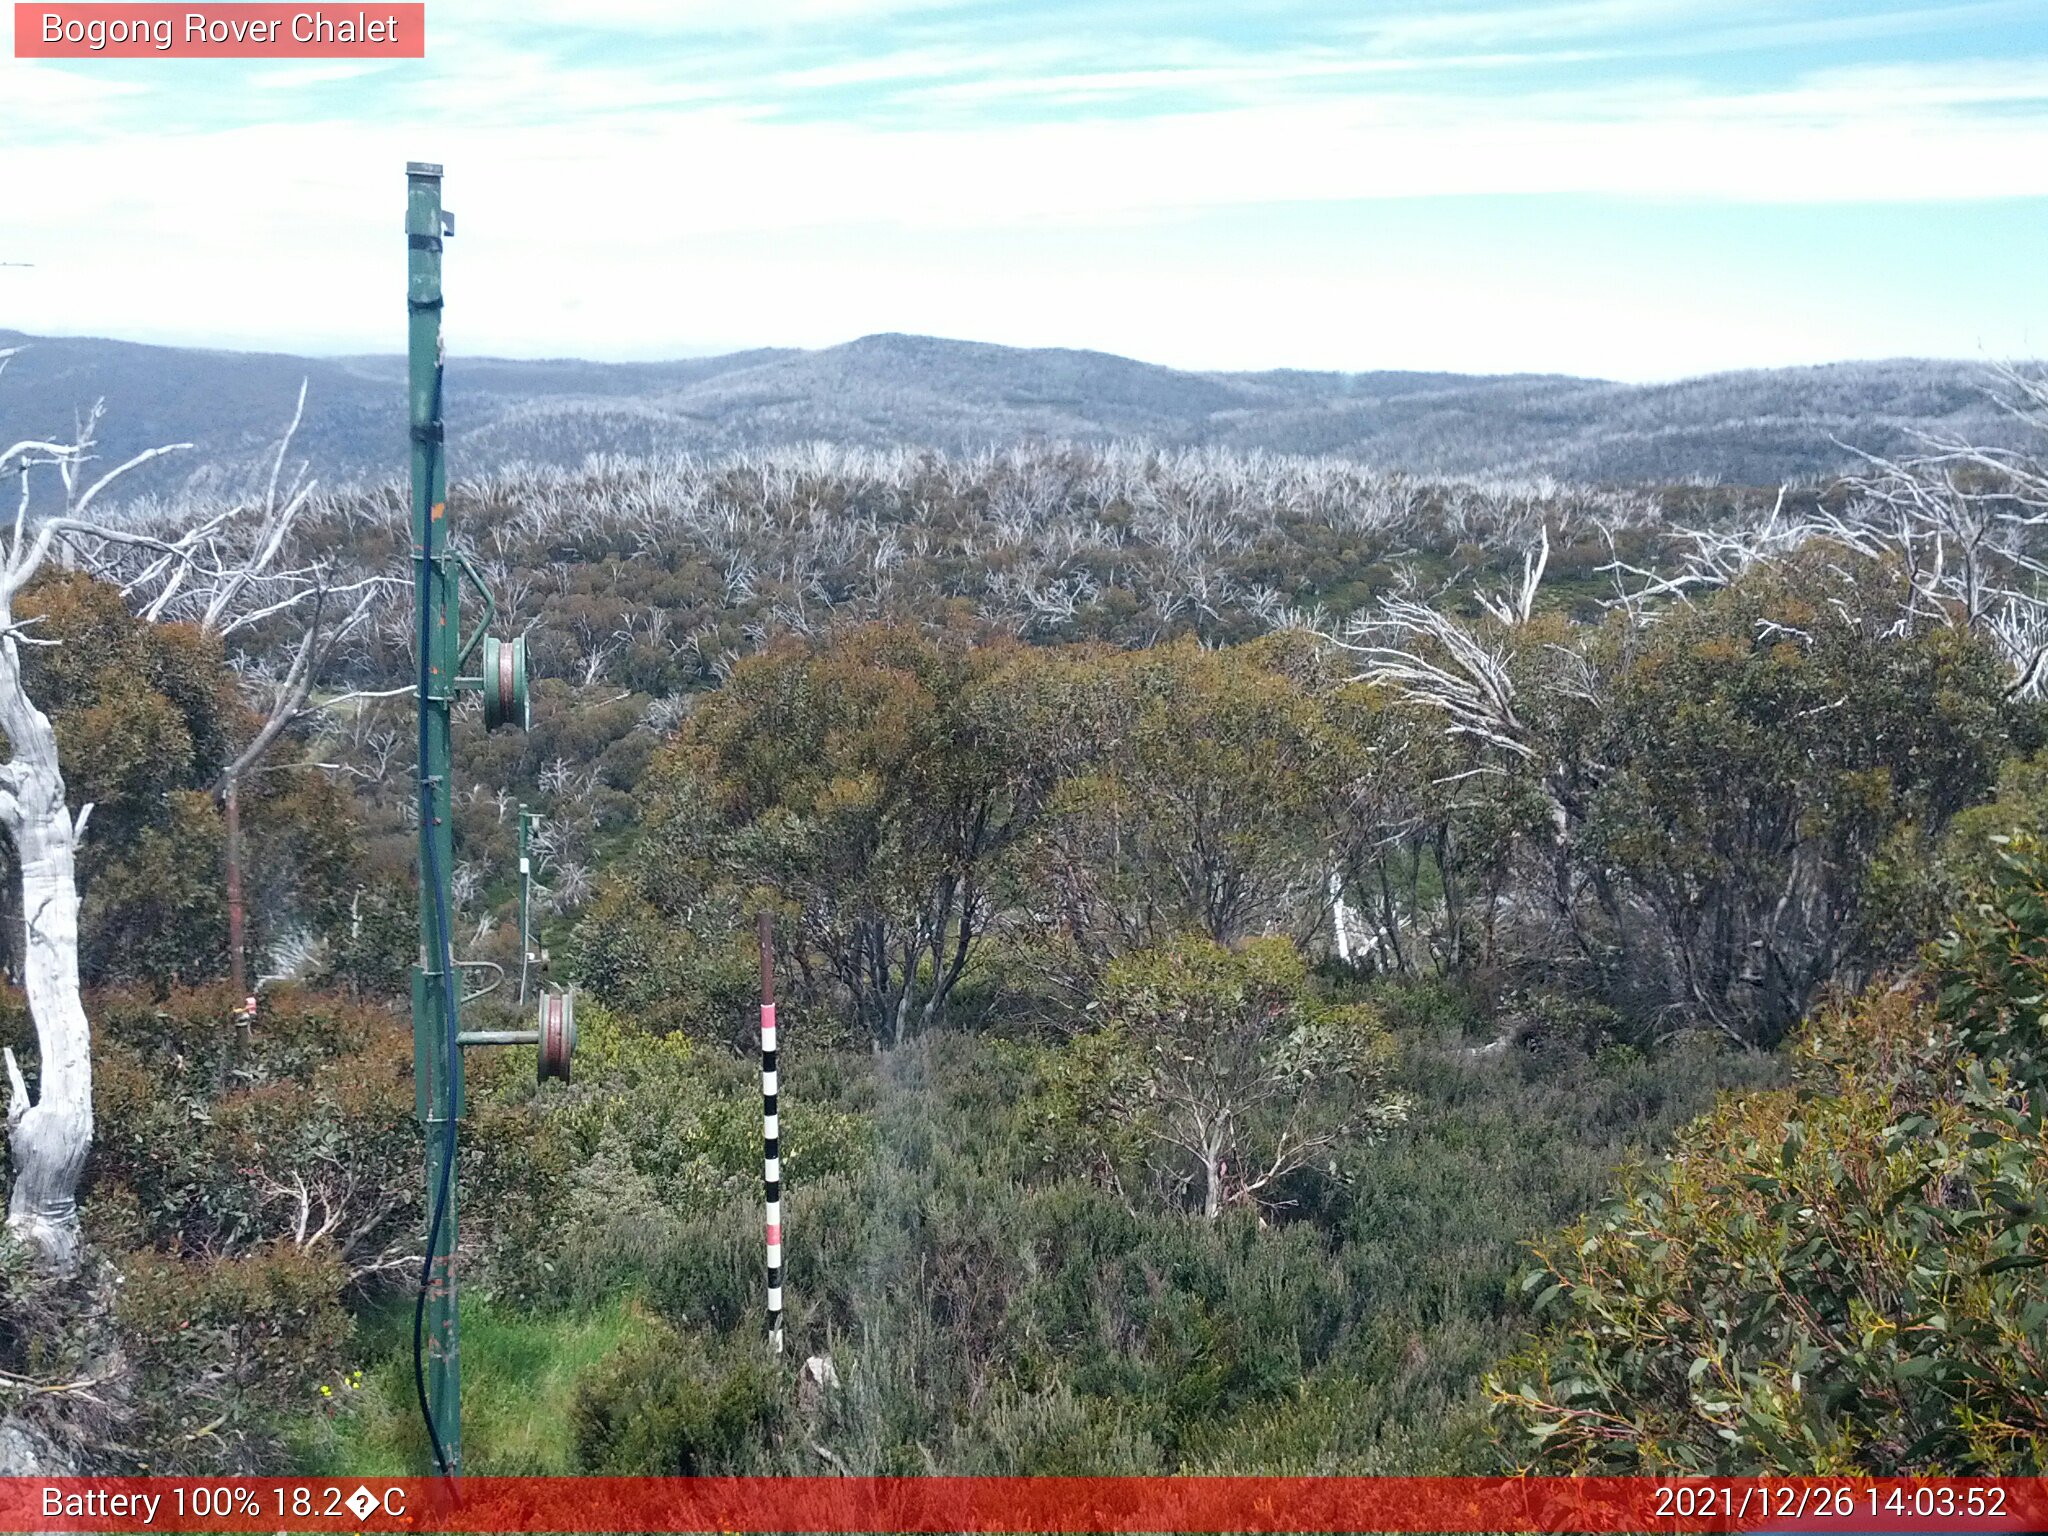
x=1754, y=428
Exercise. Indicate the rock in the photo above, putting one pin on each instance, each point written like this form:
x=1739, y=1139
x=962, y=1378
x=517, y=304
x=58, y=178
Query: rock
x=25, y=1451
x=812, y=1383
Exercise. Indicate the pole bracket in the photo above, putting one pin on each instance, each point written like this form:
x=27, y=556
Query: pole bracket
x=475, y=578
x=497, y=979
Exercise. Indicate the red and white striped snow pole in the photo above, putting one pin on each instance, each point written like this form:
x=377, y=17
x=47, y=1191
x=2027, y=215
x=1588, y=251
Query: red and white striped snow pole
x=771, y=1135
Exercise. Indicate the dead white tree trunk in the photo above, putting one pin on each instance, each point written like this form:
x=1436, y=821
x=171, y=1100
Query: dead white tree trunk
x=49, y=1137
x=221, y=582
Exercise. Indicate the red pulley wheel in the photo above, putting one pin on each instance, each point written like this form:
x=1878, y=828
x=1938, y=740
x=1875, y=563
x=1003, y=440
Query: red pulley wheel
x=508, y=707
x=503, y=684
x=557, y=1034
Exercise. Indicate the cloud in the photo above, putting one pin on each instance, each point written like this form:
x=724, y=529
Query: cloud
x=735, y=182
x=671, y=18
x=659, y=176
x=1644, y=28
x=298, y=77
x=81, y=99
x=1423, y=29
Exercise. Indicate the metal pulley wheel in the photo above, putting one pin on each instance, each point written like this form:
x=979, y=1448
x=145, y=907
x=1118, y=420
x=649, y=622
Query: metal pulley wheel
x=557, y=1034
x=504, y=682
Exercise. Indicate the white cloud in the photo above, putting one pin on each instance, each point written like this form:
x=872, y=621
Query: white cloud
x=37, y=91
x=631, y=205
x=680, y=17
x=657, y=181
x=1650, y=27
x=297, y=77
x=1418, y=28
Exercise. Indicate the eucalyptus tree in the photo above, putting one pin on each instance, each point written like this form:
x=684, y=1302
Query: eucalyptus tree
x=1203, y=800
x=870, y=786
x=1708, y=775
x=1758, y=748
x=1512, y=695
x=1962, y=524
x=1243, y=1071
x=222, y=570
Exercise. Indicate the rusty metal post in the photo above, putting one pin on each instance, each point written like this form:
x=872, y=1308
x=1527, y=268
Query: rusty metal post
x=237, y=966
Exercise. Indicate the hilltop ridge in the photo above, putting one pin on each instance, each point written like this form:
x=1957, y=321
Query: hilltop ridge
x=1755, y=427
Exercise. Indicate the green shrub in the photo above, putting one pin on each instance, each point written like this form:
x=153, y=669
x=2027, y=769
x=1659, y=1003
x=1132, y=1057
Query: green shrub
x=228, y=1351
x=1845, y=1278
x=248, y=1185
x=601, y=1185
x=996, y=1309
x=1245, y=1081
x=664, y=1409
x=1993, y=965
x=208, y=1143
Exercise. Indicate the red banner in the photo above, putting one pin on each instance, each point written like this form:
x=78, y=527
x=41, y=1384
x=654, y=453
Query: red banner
x=1062, y=1504
x=243, y=29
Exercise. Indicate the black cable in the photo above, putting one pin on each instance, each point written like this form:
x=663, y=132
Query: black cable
x=443, y=956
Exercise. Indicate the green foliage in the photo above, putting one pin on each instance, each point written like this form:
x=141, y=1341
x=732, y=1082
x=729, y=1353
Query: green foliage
x=212, y=1142
x=159, y=913
x=1920, y=880
x=1847, y=1278
x=631, y=952
x=146, y=715
x=1204, y=784
x=1243, y=1072
x=228, y=1350
x=143, y=715
x=137, y=707
x=1993, y=966
x=867, y=790
x=588, y=1185
x=935, y=810
x=994, y=1305
x=1087, y=1103
x=661, y=1409
x=1550, y=1020
x=1760, y=749
x=1706, y=819
x=246, y=1184
x=376, y=941
x=304, y=873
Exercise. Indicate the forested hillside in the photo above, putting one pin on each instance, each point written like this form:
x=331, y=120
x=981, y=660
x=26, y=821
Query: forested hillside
x=1286, y=967
x=889, y=391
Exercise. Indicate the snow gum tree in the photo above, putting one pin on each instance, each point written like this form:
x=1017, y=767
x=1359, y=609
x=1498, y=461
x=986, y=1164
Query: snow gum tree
x=1246, y=1073
x=221, y=569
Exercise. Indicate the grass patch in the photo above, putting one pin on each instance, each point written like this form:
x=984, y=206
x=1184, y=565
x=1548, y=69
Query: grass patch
x=519, y=1375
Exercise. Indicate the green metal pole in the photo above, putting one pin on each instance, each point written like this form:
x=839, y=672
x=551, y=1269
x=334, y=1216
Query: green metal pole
x=437, y=1069
x=526, y=821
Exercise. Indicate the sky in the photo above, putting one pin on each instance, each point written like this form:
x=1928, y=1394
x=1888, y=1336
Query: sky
x=1633, y=189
